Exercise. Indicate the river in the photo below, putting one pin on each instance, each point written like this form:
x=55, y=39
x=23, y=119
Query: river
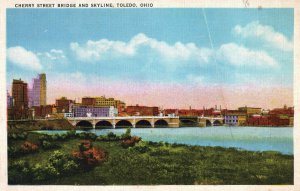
x=247, y=138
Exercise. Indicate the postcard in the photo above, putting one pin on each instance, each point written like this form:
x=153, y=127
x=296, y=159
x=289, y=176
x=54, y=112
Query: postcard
x=165, y=95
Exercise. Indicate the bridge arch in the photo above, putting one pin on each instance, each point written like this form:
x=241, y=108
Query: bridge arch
x=217, y=123
x=123, y=124
x=103, y=125
x=143, y=124
x=188, y=122
x=84, y=124
x=161, y=123
x=208, y=123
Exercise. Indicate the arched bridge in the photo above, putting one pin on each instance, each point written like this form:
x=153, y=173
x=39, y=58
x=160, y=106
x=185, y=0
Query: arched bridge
x=139, y=121
x=124, y=122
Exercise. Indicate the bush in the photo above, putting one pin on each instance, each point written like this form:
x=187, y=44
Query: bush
x=49, y=145
x=63, y=163
x=12, y=151
x=130, y=142
x=88, y=156
x=127, y=134
x=70, y=167
x=71, y=134
x=87, y=135
x=57, y=159
x=42, y=173
x=17, y=136
x=142, y=148
x=156, y=144
x=44, y=138
x=19, y=173
x=109, y=137
x=55, y=137
x=28, y=147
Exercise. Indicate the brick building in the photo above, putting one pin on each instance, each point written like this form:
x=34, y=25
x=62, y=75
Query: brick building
x=20, y=97
x=63, y=105
x=142, y=111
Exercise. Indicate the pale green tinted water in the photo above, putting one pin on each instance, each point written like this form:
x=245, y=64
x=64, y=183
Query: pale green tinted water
x=248, y=138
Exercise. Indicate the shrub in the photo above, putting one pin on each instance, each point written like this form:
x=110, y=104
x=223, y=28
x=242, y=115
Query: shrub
x=44, y=138
x=156, y=144
x=19, y=173
x=109, y=137
x=127, y=134
x=71, y=134
x=87, y=135
x=12, y=151
x=28, y=147
x=42, y=173
x=55, y=137
x=49, y=145
x=62, y=162
x=130, y=142
x=17, y=136
x=70, y=167
x=142, y=148
x=88, y=156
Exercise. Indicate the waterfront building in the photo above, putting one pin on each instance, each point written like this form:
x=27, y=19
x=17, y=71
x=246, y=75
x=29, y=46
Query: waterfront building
x=38, y=93
x=88, y=101
x=64, y=105
x=270, y=120
x=42, y=111
x=90, y=111
x=107, y=102
x=113, y=112
x=167, y=112
x=251, y=110
x=142, y=110
x=20, y=97
x=288, y=111
x=189, y=112
x=235, y=118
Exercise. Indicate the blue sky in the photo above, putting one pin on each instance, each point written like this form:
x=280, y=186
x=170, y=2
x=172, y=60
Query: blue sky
x=153, y=45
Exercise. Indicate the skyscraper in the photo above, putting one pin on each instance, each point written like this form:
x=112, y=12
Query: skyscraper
x=37, y=95
x=9, y=100
x=20, y=96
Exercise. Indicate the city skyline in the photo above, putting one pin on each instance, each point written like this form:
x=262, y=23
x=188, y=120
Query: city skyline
x=155, y=62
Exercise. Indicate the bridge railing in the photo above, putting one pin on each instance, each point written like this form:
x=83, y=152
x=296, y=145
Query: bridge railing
x=127, y=117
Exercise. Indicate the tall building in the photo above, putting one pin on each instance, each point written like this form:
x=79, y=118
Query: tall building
x=9, y=100
x=20, y=97
x=38, y=95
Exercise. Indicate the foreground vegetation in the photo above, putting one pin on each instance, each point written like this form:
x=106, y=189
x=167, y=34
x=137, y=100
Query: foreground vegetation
x=85, y=159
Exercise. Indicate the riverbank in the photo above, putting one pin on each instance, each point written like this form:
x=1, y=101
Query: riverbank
x=32, y=125
x=148, y=163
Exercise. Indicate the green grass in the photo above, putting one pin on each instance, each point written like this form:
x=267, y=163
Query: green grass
x=166, y=164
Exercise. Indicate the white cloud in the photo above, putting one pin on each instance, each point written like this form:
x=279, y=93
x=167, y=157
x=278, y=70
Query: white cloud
x=265, y=33
x=241, y=56
x=52, y=57
x=99, y=50
x=21, y=57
